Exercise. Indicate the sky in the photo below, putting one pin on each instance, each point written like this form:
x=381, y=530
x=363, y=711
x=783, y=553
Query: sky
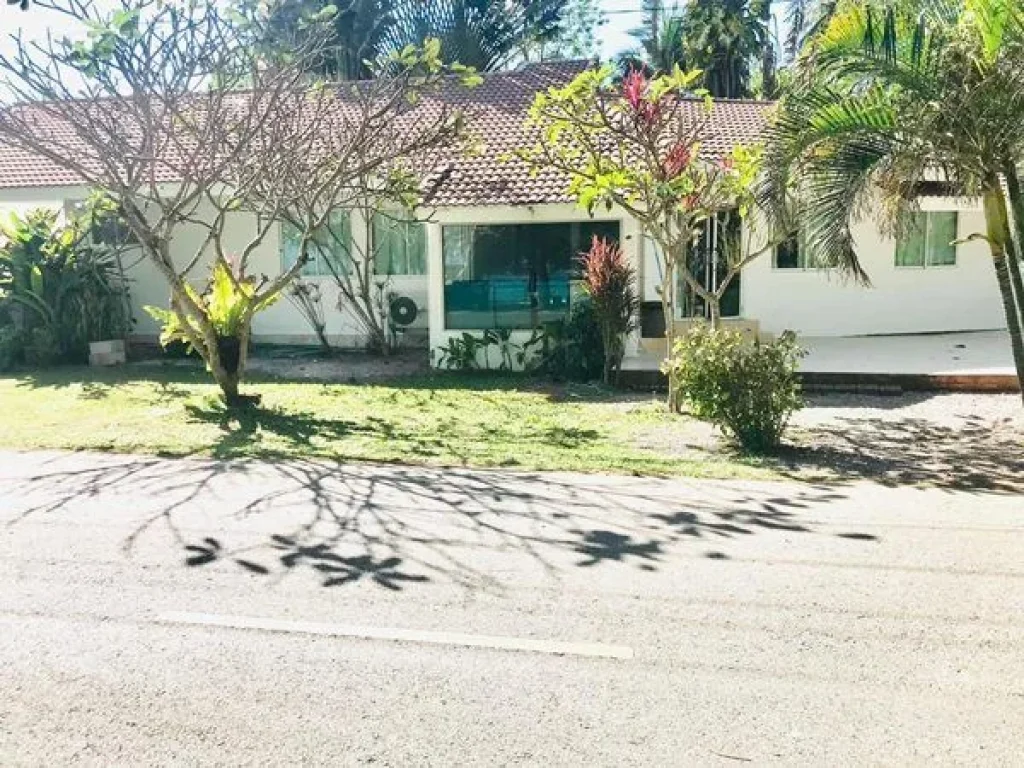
x=622, y=15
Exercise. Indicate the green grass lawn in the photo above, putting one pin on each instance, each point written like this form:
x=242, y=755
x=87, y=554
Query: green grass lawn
x=442, y=419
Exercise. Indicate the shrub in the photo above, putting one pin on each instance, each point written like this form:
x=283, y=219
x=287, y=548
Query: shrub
x=42, y=348
x=10, y=347
x=748, y=389
x=460, y=353
x=584, y=348
x=609, y=280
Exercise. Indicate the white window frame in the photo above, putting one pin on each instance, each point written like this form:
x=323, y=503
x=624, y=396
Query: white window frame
x=318, y=270
x=927, y=242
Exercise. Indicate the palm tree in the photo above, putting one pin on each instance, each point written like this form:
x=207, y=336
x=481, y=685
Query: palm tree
x=359, y=31
x=485, y=34
x=723, y=38
x=892, y=97
x=805, y=20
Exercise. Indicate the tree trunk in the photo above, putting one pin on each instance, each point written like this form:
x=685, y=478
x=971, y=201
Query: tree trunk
x=1015, y=254
x=321, y=335
x=998, y=231
x=668, y=308
x=768, y=68
x=715, y=307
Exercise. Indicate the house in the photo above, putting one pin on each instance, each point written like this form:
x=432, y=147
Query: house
x=499, y=248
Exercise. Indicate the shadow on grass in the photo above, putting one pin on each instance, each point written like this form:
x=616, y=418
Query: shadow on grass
x=397, y=527
x=242, y=428
x=175, y=374
x=94, y=380
x=244, y=432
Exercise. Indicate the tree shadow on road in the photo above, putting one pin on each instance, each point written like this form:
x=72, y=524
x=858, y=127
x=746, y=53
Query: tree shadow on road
x=396, y=527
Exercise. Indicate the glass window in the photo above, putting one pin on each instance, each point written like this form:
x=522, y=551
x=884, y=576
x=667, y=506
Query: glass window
x=106, y=227
x=400, y=246
x=792, y=253
x=930, y=241
x=514, y=276
x=329, y=251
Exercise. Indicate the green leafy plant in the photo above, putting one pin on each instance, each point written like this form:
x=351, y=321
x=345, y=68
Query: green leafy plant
x=228, y=303
x=509, y=353
x=41, y=348
x=746, y=388
x=10, y=347
x=461, y=353
x=567, y=349
x=56, y=278
x=584, y=357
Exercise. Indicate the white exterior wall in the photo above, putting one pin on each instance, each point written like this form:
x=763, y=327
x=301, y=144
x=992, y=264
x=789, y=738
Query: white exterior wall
x=811, y=302
x=147, y=285
x=900, y=300
x=280, y=323
x=629, y=232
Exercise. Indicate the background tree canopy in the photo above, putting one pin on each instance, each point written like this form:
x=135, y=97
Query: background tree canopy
x=484, y=34
x=737, y=44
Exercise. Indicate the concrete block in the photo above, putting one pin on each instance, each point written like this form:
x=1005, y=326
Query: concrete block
x=105, y=353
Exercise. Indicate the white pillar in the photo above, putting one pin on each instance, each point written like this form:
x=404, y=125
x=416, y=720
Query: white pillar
x=632, y=241
x=435, y=285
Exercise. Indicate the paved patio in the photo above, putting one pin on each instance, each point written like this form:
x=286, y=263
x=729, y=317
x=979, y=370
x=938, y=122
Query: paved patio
x=969, y=355
x=985, y=353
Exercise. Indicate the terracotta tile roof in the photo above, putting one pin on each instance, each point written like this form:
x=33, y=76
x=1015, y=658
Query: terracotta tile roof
x=499, y=106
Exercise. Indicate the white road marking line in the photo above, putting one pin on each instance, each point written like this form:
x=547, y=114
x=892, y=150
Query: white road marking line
x=592, y=650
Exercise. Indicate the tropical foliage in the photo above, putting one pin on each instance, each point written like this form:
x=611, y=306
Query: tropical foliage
x=59, y=289
x=266, y=142
x=484, y=34
x=739, y=45
x=898, y=97
x=228, y=303
x=747, y=388
x=359, y=31
x=570, y=349
x=639, y=144
x=578, y=35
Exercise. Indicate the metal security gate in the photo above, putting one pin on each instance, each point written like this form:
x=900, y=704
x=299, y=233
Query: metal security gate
x=708, y=263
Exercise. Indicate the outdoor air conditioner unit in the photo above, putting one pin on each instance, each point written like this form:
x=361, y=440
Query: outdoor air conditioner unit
x=403, y=311
x=407, y=307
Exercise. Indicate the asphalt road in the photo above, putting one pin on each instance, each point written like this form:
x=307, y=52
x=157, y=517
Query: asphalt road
x=156, y=611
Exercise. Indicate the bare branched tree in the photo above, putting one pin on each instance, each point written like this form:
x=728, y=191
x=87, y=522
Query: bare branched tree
x=185, y=116
x=363, y=279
